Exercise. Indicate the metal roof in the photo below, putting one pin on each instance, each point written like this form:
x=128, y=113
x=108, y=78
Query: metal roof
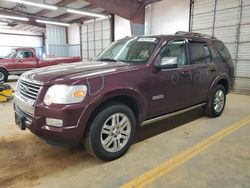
x=18, y=9
x=123, y=8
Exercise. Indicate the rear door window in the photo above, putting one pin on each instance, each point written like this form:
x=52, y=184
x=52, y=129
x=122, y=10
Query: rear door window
x=199, y=53
x=207, y=54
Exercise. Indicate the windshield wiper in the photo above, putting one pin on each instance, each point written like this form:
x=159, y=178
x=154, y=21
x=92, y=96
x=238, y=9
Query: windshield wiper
x=108, y=59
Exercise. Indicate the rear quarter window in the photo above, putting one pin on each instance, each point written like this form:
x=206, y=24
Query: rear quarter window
x=222, y=51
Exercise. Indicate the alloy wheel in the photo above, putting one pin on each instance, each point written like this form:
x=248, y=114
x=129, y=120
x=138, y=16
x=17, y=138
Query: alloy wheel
x=219, y=101
x=115, y=132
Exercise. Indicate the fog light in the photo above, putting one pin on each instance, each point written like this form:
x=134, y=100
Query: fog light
x=54, y=122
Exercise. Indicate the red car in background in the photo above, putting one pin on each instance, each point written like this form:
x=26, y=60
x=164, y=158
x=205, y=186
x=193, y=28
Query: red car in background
x=21, y=60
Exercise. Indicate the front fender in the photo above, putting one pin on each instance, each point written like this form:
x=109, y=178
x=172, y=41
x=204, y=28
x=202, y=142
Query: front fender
x=4, y=66
x=104, y=97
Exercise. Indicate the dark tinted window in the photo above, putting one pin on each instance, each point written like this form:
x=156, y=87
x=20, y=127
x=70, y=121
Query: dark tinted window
x=199, y=53
x=25, y=54
x=175, y=49
x=222, y=51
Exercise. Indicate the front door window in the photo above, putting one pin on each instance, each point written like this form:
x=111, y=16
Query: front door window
x=176, y=49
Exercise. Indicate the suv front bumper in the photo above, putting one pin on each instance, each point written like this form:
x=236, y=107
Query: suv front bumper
x=68, y=135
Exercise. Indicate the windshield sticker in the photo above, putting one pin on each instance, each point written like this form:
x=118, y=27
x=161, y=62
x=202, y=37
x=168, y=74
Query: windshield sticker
x=147, y=39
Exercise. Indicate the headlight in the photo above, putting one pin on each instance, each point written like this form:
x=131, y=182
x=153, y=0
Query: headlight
x=64, y=94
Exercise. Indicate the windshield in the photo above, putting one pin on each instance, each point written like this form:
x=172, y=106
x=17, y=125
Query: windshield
x=132, y=50
x=11, y=54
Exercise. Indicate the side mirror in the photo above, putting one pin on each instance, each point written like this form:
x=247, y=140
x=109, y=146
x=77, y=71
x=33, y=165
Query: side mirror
x=167, y=63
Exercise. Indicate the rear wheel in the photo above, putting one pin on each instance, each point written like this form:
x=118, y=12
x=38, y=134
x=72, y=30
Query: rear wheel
x=111, y=132
x=3, y=75
x=217, y=102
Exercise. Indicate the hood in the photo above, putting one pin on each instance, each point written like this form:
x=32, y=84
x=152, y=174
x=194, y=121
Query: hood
x=74, y=71
x=5, y=60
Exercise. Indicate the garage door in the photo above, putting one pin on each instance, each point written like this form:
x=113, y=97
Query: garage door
x=229, y=21
x=95, y=36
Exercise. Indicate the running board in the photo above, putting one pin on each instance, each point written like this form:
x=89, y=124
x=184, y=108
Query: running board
x=171, y=114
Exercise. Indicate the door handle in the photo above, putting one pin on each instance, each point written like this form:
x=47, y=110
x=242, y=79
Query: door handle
x=213, y=69
x=185, y=73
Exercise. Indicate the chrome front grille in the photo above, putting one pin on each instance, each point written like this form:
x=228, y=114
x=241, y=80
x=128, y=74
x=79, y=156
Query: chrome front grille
x=28, y=89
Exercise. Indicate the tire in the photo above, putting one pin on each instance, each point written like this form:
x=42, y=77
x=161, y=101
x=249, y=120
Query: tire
x=3, y=75
x=217, y=102
x=105, y=138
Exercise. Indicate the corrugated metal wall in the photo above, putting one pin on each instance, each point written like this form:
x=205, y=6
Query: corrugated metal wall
x=66, y=50
x=56, y=41
x=95, y=36
x=55, y=35
x=229, y=21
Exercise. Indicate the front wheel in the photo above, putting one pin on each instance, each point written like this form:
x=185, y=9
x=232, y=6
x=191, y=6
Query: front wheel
x=111, y=132
x=217, y=102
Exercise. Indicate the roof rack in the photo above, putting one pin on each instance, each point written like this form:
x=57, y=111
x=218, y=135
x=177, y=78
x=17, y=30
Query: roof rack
x=194, y=34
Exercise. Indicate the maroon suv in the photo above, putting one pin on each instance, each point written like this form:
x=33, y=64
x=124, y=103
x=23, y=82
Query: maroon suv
x=134, y=82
